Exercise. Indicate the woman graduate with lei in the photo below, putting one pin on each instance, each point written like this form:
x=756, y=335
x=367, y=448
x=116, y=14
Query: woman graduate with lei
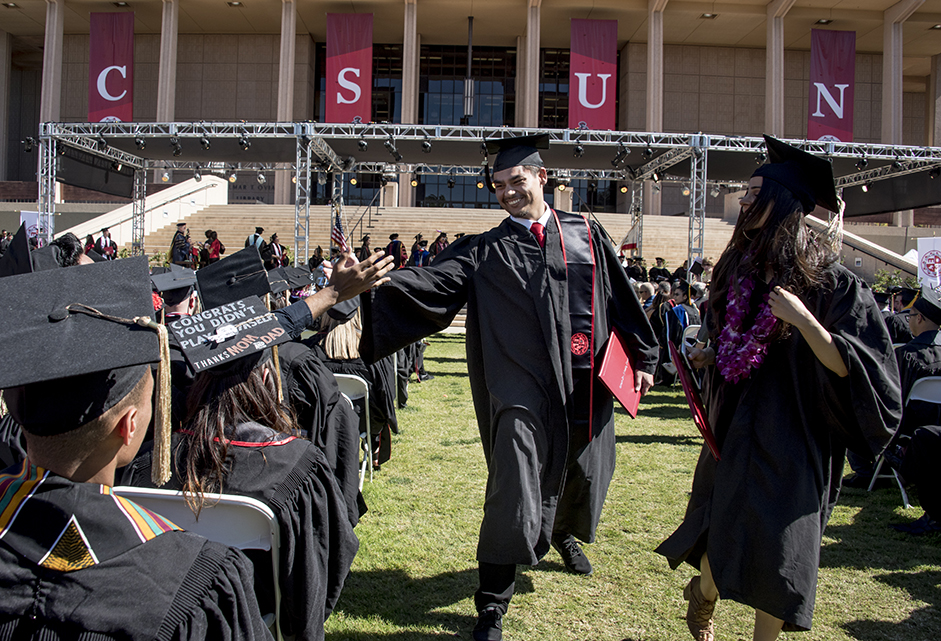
x=800, y=367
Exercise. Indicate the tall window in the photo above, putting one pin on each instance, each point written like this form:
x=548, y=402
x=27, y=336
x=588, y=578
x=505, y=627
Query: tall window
x=442, y=70
x=554, y=88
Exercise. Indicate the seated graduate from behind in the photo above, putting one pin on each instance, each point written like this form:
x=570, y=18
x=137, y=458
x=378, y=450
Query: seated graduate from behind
x=75, y=559
x=239, y=439
x=338, y=347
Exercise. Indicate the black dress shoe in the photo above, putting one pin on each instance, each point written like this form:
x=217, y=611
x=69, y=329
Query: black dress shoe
x=572, y=555
x=489, y=625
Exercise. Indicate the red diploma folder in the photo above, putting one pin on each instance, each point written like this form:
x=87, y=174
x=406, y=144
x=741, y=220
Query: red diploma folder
x=694, y=400
x=618, y=375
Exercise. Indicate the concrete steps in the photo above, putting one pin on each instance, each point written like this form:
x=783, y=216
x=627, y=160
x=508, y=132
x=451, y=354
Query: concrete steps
x=665, y=236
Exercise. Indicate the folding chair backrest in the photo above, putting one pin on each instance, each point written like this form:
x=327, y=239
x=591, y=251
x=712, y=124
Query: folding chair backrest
x=927, y=389
x=237, y=521
x=355, y=388
x=690, y=337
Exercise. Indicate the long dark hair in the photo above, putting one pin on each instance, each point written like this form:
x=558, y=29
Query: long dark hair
x=216, y=402
x=797, y=257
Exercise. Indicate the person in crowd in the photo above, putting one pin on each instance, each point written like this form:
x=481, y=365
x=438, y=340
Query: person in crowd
x=663, y=296
x=317, y=258
x=920, y=357
x=72, y=551
x=799, y=367
x=415, y=245
x=899, y=329
x=5, y=238
x=542, y=438
x=396, y=249
x=917, y=463
x=89, y=243
x=364, y=251
x=277, y=257
x=659, y=272
x=181, y=251
x=238, y=439
x=256, y=239
x=441, y=242
x=636, y=270
x=681, y=273
x=698, y=294
x=421, y=257
x=645, y=294
x=214, y=245
x=106, y=248
x=337, y=346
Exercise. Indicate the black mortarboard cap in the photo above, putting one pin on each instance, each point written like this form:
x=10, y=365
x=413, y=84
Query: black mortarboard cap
x=62, y=366
x=882, y=298
x=928, y=304
x=173, y=279
x=240, y=275
x=344, y=311
x=277, y=280
x=298, y=277
x=230, y=338
x=907, y=294
x=697, y=267
x=95, y=256
x=16, y=259
x=808, y=177
x=521, y=150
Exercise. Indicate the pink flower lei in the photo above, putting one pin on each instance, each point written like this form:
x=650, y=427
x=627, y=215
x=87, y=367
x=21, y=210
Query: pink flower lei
x=740, y=352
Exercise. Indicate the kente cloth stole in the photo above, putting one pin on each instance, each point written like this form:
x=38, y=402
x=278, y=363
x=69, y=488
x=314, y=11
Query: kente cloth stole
x=579, y=257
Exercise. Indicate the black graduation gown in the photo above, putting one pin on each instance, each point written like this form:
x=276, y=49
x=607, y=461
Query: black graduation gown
x=333, y=426
x=919, y=358
x=117, y=572
x=782, y=433
x=518, y=358
x=899, y=329
x=292, y=477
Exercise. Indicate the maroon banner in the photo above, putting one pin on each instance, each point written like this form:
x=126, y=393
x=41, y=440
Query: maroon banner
x=593, y=69
x=111, y=67
x=832, y=83
x=349, y=67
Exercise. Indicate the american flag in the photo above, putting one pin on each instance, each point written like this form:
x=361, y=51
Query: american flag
x=337, y=236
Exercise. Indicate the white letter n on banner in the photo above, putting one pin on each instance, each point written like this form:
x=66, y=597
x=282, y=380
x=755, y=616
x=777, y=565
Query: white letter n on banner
x=823, y=91
x=348, y=84
x=583, y=89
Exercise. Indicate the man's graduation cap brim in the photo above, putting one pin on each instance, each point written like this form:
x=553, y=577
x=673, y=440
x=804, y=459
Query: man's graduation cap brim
x=342, y=312
x=298, y=277
x=174, y=279
x=62, y=366
x=521, y=150
x=277, y=281
x=928, y=304
x=230, y=339
x=808, y=177
x=239, y=276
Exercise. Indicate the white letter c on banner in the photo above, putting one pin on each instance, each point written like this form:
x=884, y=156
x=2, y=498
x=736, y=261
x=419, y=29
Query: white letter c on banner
x=103, y=79
x=583, y=89
x=348, y=84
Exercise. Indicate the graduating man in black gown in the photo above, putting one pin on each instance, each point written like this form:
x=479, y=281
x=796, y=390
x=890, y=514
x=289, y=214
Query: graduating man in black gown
x=76, y=560
x=544, y=290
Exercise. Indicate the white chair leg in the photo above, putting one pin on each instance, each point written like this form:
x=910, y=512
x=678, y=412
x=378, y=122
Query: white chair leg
x=364, y=442
x=875, y=473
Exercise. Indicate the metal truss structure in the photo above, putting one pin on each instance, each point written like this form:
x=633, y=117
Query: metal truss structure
x=314, y=155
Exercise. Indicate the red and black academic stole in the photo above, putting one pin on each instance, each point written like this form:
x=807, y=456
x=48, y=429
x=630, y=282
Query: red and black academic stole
x=579, y=257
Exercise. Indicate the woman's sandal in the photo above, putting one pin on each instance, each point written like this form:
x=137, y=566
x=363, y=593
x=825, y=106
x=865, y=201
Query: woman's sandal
x=699, y=612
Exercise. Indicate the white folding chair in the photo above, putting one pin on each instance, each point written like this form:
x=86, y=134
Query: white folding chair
x=237, y=521
x=927, y=390
x=355, y=388
x=690, y=338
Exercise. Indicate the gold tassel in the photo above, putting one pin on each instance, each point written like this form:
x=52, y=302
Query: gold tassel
x=160, y=468
x=277, y=373
x=835, y=229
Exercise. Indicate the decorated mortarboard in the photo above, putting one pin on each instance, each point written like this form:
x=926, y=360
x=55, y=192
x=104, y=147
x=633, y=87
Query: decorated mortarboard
x=928, y=304
x=277, y=280
x=808, y=177
x=240, y=275
x=228, y=339
x=16, y=258
x=76, y=341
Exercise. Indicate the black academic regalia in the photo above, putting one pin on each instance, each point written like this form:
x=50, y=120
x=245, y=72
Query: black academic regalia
x=117, y=572
x=899, y=329
x=657, y=274
x=292, y=477
x=12, y=443
x=311, y=390
x=920, y=467
x=518, y=358
x=760, y=512
x=919, y=358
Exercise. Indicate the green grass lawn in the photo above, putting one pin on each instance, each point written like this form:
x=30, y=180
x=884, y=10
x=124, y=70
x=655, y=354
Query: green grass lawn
x=415, y=574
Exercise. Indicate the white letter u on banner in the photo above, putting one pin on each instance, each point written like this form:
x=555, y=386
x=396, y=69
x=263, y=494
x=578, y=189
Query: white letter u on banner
x=583, y=89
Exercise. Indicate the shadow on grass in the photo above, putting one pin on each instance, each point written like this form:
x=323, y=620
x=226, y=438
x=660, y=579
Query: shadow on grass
x=922, y=586
x=661, y=411
x=444, y=359
x=403, y=601
x=650, y=439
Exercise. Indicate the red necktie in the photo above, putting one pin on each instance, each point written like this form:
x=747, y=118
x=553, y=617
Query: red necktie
x=539, y=232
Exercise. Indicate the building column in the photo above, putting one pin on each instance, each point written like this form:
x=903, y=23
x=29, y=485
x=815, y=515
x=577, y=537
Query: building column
x=531, y=44
x=893, y=18
x=6, y=69
x=50, y=105
x=166, y=76
x=520, y=81
x=934, y=102
x=774, y=67
x=655, y=64
x=282, y=179
x=411, y=55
